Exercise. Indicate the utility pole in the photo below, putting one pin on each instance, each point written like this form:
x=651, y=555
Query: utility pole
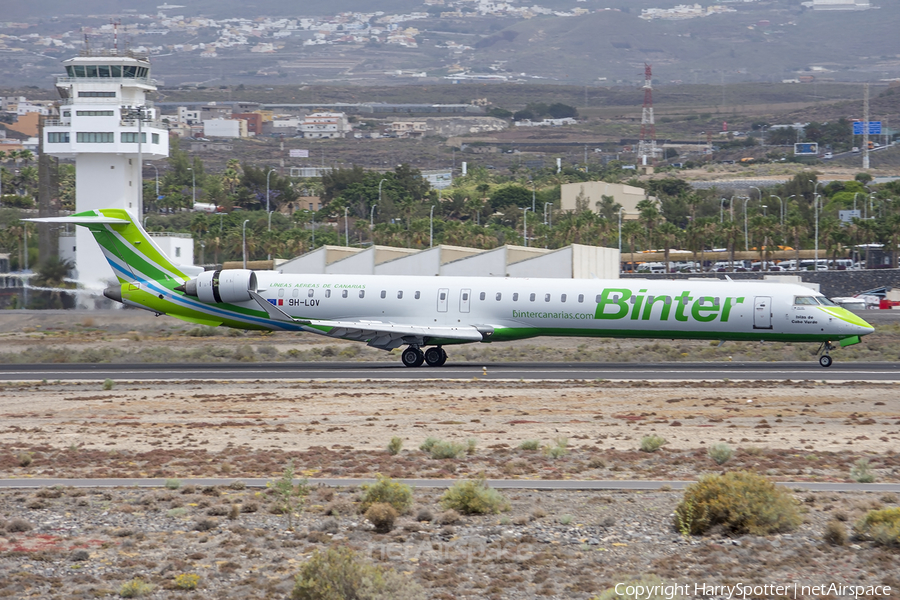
x=865, y=164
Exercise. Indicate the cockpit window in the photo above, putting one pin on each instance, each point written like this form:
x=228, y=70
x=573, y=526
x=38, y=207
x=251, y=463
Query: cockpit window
x=805, y=300
x=825, y=301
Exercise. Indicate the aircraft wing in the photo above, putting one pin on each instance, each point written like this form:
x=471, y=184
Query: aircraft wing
x=392, y=335
x=386, y=336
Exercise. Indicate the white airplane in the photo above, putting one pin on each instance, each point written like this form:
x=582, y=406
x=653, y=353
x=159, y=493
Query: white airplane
x=427, y=313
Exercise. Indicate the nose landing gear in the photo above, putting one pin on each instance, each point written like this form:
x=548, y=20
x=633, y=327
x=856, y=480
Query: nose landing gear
x=433, y=357
x=825, y=360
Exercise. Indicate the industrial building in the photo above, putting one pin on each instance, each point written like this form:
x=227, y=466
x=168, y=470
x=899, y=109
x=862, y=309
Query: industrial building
x=571, y=262
x=588, y=195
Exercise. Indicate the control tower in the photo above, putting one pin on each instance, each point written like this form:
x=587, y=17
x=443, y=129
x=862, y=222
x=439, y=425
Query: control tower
x=108, y=127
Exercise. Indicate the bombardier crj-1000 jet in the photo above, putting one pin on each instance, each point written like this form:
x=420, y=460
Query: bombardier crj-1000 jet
x=425, y=314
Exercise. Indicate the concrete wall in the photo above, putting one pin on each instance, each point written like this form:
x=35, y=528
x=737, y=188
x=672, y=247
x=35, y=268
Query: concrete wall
x=317, y=260
x=491, y=263
x=364, y=263
x=832, y=283
x=427, y=262
x=576, y=261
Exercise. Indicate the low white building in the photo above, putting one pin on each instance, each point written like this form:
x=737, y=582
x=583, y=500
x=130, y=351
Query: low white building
x=325, y=125
x=225, y=128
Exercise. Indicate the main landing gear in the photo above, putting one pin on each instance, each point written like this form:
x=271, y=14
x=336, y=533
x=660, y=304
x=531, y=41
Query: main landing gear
x=433, y=357
x=825, y=360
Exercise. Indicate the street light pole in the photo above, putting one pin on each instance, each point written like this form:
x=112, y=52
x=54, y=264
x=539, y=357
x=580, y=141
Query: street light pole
x=372, y=217
x=156, y=198
x=244, y=240
x=267, y=195
x=721, y=211
x=746, y=242
x=431, y=228
x=525, y=226
x=548, y=214
x=621, y=208
x=816, y=200
x=193, y=187
x=533, y=195
x=346, y=229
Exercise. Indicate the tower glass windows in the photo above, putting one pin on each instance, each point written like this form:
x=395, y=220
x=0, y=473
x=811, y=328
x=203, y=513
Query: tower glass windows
x=95, y=137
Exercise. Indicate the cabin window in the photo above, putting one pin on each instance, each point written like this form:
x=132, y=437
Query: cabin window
x=532, y=297
x=362, y=293
x=328, y=293
x=499, y=295
x=344, y=294
x=716, y=301
x=482, y=296
x=465, y=296
x=384, y=293
x=515, y=297
x=804, y=301
x=310, y=292
x=684, y=300
x=562, y=298
x=581, y=297
x=418, y=294
x=633, y=299
x=668, y=299
x=597, y=299
x=400, y=295
x=546, y=297
x=281, y=293
x=443, y=295
x=295, y=293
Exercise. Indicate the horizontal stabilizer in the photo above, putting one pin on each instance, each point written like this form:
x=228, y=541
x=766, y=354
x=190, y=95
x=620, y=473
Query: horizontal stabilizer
x=80, y=220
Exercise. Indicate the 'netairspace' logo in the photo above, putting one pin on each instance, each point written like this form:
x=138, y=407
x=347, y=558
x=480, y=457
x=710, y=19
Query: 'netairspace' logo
x=619, y=303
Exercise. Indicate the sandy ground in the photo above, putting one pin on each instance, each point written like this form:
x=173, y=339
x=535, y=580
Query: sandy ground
x=300, y=415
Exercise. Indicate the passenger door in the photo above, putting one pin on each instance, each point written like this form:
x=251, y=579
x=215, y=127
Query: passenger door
x=443, y=295
x=762, y=312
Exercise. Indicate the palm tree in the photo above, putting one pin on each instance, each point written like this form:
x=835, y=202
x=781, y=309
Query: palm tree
x=731, y=231
x=796, y=226
x=668, y=235
x=52, y=274
x=650, y=218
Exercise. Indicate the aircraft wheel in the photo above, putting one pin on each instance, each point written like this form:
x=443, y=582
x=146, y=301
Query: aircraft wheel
x=412, y=357
x=825, y=360
x=443, y=358
x=435, y=357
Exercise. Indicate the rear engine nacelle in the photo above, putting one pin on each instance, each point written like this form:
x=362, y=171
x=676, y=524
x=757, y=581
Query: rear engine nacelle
x=231, y=285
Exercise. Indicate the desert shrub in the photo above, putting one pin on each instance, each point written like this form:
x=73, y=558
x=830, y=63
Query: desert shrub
x=652, y=443
x=442, y=449
x=187, y=581
x=566, y=519
x=721, y=453
x=382, y=516
x=219, y=510
x=338, y=507
x=108, y=384
x=428, y=443
x=880, y=526
x=18, y=526
x=860, y=471
x=648, y=587
x=558, y=449
x=237, y=484
x=474, y=497
x=327, y=526
x=835, y=533
x=340, y=573
x=176, y=512
x=249, y=507
x=386, y=490
x=289, y=497
x=530, y=445
x=234, y=512
x=471, y=444
x=135, y=589
x=424, y=514
x=739, y=502
x=448, y=517
x=173, y=484
x=395, y=445
x=205, y=524
x=25, y=458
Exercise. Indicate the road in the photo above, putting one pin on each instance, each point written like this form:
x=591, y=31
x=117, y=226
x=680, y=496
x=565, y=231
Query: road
x=849, y=371
x=509, y=484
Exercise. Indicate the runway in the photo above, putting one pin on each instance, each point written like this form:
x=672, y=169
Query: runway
x=710, y=371
x=509, y=484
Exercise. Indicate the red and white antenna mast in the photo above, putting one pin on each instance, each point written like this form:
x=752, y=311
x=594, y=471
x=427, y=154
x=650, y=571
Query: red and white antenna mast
x=647, y=145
